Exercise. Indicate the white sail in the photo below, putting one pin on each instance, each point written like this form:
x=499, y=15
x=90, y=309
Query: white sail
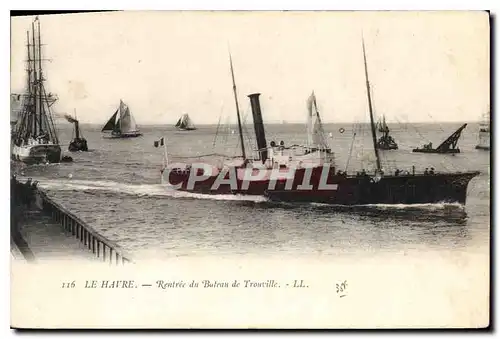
x=127, y=121
x=315, y=132
x=185, y=122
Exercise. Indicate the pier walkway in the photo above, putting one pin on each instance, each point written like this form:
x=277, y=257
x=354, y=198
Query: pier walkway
x=46, y=239
x=42, y=229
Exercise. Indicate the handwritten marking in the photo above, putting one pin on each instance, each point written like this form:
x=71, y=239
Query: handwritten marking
x=342, y=288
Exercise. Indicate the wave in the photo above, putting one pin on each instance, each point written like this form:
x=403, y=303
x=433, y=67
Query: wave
x=162, y=190
x=429, y=206
x=136, y=189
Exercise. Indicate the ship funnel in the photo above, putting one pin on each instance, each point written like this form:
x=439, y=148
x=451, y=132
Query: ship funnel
x=258, y=124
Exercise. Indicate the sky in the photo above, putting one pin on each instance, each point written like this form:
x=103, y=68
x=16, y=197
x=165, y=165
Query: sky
x=422, y=66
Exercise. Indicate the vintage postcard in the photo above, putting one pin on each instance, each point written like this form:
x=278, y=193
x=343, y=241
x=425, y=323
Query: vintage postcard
x=250, y=169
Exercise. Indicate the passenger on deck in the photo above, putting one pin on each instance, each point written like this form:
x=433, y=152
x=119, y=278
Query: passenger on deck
x=432, y=170
x=363, y=173
x=396, y=173
x=426, y=171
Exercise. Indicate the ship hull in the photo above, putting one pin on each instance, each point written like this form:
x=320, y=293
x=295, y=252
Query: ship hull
x=77, y=145
x=345, y=190
x=387, y=148
x=484, y=141
x=186, y=129
x=37, y=154
x=435, y=151
x=123, y=135
x=407, y=190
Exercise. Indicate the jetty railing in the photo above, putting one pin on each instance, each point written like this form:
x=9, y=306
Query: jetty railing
x=101, y=247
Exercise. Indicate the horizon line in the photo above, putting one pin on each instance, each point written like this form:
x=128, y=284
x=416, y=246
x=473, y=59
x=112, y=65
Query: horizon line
x=288, y=123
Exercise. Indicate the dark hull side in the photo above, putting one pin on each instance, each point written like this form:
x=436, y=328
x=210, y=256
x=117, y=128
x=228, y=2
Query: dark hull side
x=387, y=148
x=78, y=145
x=450, y=151
x=186, y=129
x=123, y=136
x=418, y=189
x=350, y=190
x=484, y=148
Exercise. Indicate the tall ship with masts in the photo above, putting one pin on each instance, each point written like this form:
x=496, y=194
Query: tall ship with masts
x=35, y=137
x=484, y=133
x=122, y=123
x=289, y=179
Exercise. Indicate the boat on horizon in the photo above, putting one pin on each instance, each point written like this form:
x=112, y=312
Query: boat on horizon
x=484, y=133
x=446, y=147
x=78, y=143
x=185, y=123
x=385, y=142
x=281, y=177
x=34, y=137
x=122, y=124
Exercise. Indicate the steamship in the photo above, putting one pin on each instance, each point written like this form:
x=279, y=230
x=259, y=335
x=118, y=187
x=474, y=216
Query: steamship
x=308, y=182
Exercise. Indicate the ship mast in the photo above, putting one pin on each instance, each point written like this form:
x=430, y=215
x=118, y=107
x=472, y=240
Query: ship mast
x=237, y=109
x=372, y=124
x=40, y=79
x=23, y=128
x=35, y=89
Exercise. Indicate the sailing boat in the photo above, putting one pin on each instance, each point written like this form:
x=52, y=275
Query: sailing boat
x=447, y=146
x=122, y=123
x=35, y=137
x=316, y=140
x=184, y=123
x=386, y=142
x=484, y=133
x=79, y=143
x=380, y=125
